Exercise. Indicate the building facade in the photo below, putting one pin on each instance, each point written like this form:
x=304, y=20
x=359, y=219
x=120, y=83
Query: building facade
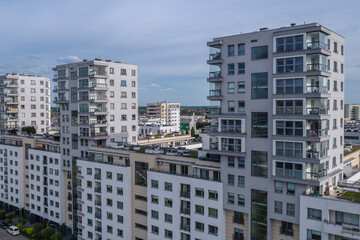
x=24, y=101
x=276, y=100
x=352, y=111
x=167, y=113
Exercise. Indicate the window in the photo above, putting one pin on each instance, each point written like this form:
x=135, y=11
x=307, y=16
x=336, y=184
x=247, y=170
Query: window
x=347, y=218
x=259, y=85
x=154, y=184
x=213, y=195
x=241, y=87
x=289, y=128
x=231, y=198
x=230, y=179
x=289, y=149
x=231, y=161
x=231, y=69
x=260, y=52
x=231, y=50
x=291, y=188
x=287, y=229
x=154, y=214
x=168, y=186
x=199, y=226
x=289, y=86
x=83, y=71
x=314, y=214
x=231, y=106
x=287, y=44
x=259, y=164
x=289, y=107
x=231, y=87
x=168, y=202
x=213, y=212
x=154, y=199
x=259, y=125
x=241, y=68
x=241, y=162
x=278, y=187
x=312, y=234
x=290, y=209
x=291, y=170
x=123, y=72
x=288, y=65
x=241, y=49
x=231, y=144
x=278, y=207
x=335, y=47
x=199, y=209
x=238, y=218
x=241, y=181
x=213, y=230
x=154, y=230
x=168, y=218
x=199, y=192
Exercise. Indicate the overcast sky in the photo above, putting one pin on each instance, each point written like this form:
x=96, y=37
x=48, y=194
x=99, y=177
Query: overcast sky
x=166, y=39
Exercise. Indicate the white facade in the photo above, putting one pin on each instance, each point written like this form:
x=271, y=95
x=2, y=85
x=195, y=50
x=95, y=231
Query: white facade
x=167, y=113
x=104, y=201
x=24, y=101
x=12, y=175
x=47, y=185
x=325, y=225
x=183, y=210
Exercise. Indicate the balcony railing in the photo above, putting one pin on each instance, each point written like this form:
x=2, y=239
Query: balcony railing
x=289, y=173
x=185, y=210
x=215, y=110
x=316, y=154
x=317, y=45
x=99, y=134
x=238, y=236
x=316, y=89
x=317, y=67
x=95, y=72
x=214, y=93
x=215, y=56
x=316, y=111
x=98, y=110
x=97, y=85
x=185, y=194
x=227, y=129
x=98, y=97
x=185, y=227
x=315, y=176
x=317, y=132
x=214, y=146
x=216, y=74
x=97, y=176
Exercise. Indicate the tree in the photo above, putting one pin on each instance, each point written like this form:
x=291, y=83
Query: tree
x=48, y=232
x=187, y=131
x=2, y=214
x=192, y=132
x=22, y=221
x=29, y=130
x=38, y=227
x=10, y=216
x=56, y=236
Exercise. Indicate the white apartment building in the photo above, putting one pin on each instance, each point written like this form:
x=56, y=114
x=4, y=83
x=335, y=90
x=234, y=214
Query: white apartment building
x=167, y=113
x=24, y=101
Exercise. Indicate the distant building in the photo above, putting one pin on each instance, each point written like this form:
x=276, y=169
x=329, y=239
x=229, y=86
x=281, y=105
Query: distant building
x=167, y=113
x=351, y=132
x=352, y=111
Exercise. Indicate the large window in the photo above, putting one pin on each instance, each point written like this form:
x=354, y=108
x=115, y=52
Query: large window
x=259, y=164
x=289, y=107
x=231, y=144
x=259, y=85
x=289, y=149
x=230, y=125
x=289, y=86
x=259, y=125
x=258, y=214
x=288, y=44
x=83, y=71
x=314, y=214
x=292, y=170
x=260, y=52
x=241, y=49
x=347, y=218
x=289, y=128
x=286, y=65
x=313, y=235
x=231, y=50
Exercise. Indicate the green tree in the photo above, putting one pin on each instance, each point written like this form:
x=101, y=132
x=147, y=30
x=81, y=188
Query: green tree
x=29, y=130
x=48, y=232
x=10, y=216
x=38, y=227
x=56, y=236
x=187, y=131
x=192, y=132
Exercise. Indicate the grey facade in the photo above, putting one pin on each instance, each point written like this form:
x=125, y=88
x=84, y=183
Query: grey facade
x=24, y=101
x=276, y=100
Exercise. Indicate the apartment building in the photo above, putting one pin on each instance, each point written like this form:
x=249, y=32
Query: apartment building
x=166, y=113
x=24, y=101
x=276, y=100
x=352, y=111
x=152, y=195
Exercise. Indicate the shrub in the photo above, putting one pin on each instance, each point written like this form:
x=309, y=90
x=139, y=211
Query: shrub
x=29, y=231
x=38, y=227
x=10, y=216
x=22, y=221
x=19, y=226
x=56, y=236
x=2, y=214
x=29, y=129
x=48, y=232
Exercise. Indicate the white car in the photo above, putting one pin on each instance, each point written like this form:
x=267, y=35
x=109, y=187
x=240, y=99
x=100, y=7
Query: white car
x=13, y=230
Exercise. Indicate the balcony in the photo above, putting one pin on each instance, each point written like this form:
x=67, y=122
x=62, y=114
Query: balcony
x=185, y=194
x=214, y=95
x=99, y=134
x=317, y=132
x=315, y=176
x=185, y=227
x=98, y=190
x=317, y=67
x=215, y=110
x=214, y=146
x=185, y=210
x=216, y=75
x=97, y=176
x=97, y=85
x=98, y=121
x=317, y=45
x=12, y=109
x=98, y=203
x=316, y=154
x=316, y=111
x=98, y=98
x=98, y=110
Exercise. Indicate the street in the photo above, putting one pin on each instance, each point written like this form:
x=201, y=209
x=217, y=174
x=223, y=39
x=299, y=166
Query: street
x=6, y=236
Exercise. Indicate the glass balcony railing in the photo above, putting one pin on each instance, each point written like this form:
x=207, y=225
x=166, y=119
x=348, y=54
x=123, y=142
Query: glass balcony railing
x=316, y=111
x=214, y=146
x=317, y=45
x=215, y=56
x=214, y=128
x=316, y=154
x=214, y=93
x=315, y=176
x=216, y=74
x=97, y=85
x=316, y=89
x=215, y=110
x=291, y=173
x=98, y=110
x=317, y=67
x=98, y=97
x=317, y=132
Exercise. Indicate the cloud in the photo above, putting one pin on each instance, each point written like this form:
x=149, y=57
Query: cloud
x=35, y=56
x=167, y=89
x=69, y=59
x=155, y=85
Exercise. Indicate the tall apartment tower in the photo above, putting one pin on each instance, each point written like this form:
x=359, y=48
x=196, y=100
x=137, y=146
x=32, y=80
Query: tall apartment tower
x=24, y=101
x=277, y=113
x=352, y=111
x=168, y=113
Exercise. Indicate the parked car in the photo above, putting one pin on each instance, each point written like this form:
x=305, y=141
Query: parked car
x=13, y=230
x=4, y=224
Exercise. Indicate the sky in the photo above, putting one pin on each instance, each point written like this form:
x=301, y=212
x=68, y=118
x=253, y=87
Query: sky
x=166, y=39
